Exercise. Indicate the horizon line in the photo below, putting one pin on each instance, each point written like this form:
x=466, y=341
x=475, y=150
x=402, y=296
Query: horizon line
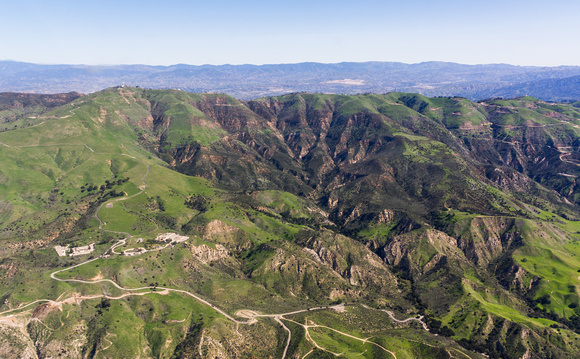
x=285, y=63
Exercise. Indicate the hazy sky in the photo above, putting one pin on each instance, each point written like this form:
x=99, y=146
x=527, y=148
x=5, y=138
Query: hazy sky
x=533, y=32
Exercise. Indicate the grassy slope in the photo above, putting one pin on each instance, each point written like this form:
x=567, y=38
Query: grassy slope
x=65, y=164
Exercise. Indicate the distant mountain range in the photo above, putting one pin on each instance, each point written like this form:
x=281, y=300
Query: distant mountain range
x=475, y=82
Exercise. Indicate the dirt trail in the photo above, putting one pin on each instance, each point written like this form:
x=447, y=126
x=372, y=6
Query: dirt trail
x=364, y=341
x=419, y=319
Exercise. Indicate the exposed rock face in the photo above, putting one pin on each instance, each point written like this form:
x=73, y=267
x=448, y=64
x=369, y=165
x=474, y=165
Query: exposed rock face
x=25, y=336
x=358, y=265
x=407, y=250
x=206, y=254
x=14, y=341
x=221, y=232
x=8, y=270
x=218, y=227
x=386, y=216
x=488, y=237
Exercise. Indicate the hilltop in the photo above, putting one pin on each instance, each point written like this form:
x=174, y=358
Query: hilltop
x=435, y=226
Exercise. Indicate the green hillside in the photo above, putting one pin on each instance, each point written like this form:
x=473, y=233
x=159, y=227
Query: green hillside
x=373, y=225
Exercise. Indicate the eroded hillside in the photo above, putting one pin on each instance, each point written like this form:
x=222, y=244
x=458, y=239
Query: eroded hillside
x=461, y=214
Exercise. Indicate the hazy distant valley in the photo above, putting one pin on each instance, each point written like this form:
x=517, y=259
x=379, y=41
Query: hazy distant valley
x=475, y=82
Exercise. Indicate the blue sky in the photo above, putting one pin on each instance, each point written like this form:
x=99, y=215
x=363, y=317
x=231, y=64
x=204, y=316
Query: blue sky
x=264, y=32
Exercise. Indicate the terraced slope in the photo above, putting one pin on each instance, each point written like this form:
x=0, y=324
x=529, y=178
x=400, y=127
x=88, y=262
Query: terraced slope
x=416, y=213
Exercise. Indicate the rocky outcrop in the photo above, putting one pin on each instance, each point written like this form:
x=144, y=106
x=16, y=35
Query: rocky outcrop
x=488, y=237
x=421, y=251
x=206, y=254
x=217, y=228
x=15, y=343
